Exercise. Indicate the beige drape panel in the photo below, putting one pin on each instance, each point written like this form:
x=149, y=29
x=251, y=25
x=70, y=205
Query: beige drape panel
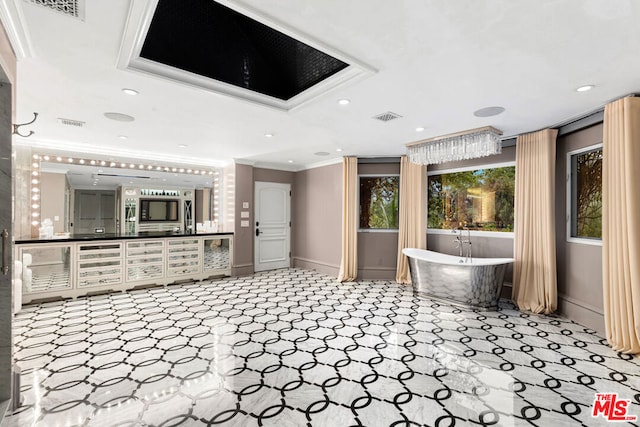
x=621, y=224
x=413, y=214
x=534, y=275
x=349, y=263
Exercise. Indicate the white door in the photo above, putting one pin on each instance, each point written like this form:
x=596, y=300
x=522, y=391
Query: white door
x=272, y=226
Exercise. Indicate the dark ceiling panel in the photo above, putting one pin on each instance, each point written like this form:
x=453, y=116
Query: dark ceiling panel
x=212, y=40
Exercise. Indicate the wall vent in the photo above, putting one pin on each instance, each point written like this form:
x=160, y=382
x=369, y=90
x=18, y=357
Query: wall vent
x=385, y=117
x=71, y=122
x=73, y=8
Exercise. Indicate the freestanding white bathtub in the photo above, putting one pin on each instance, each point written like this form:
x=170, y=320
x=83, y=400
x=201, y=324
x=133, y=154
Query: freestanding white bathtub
x=476, y=283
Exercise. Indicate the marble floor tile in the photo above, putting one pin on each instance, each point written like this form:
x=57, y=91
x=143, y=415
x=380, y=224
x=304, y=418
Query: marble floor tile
x=295, y=348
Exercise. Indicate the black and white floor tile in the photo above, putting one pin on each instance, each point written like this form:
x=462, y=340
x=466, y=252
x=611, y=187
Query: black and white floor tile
x=296, y=348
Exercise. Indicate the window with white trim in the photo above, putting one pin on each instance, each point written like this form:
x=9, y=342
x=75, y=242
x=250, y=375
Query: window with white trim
x=379, y=201
x=477, y=198
x=584, y=195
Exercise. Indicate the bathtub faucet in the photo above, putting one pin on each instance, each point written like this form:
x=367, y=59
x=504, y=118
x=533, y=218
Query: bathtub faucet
x=460, y=242
x=468, y=257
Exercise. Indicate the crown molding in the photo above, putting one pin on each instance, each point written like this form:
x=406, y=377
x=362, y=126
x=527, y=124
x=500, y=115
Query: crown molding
x=15, y=26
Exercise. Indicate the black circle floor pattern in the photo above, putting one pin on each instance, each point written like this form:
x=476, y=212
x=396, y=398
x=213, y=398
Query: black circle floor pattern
x=296, y=348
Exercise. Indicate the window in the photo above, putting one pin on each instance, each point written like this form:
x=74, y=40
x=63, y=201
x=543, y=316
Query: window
x=379, y=201
x=584, y=194
x=480, y=199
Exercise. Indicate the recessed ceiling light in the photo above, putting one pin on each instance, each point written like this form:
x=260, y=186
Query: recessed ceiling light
x=489, y=111
x=339, y=150
x=122, y=136
x=182, y=145
x=119, y=117
x=419, y=129
x=290, y=161
x=130, y=91
x=268, y=135
x=585, y=88
x=344, y=101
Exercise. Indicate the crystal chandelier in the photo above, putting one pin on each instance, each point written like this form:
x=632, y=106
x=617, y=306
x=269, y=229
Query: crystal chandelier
x=469, y=144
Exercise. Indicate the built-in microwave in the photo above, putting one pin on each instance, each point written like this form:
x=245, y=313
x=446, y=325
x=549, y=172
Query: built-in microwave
x=152, y=210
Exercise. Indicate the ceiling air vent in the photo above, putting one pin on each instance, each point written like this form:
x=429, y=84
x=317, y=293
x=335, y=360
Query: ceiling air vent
x=385, y=117
x=70, y=122
x=73, y=8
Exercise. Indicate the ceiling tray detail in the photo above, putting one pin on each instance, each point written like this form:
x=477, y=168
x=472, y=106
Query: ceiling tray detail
x=228, y=48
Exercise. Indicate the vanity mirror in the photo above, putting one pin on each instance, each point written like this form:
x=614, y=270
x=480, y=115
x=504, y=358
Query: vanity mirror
x=80, y=195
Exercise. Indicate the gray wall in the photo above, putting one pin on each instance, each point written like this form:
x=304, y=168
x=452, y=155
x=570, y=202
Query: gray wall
x=272, y=175
x=243, y=237
x=579, y=265
x=317, y=219
x=52, y=190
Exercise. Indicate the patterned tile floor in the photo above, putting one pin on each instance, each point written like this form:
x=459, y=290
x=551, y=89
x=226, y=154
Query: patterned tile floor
x=295, y=348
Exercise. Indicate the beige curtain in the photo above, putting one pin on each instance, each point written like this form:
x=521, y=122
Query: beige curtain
x=413, y=214
x=621, y=224
x=534, y=275
x=349, y=263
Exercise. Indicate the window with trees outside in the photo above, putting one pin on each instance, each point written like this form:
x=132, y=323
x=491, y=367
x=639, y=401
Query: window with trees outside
x=479, y=199
x=379, y=202
x=584, y=189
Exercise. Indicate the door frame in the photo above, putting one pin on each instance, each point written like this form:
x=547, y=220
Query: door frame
x=255, y=228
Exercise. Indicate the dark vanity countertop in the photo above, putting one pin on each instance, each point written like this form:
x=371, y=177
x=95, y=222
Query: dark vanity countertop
x=118, y=236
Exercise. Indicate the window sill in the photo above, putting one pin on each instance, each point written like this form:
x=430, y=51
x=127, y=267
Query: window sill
x=474, y=233
x=377, y=230
x=583, y=241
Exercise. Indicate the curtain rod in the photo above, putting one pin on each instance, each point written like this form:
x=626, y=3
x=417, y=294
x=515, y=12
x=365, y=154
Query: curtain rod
x=574, y=123
x=380, y=159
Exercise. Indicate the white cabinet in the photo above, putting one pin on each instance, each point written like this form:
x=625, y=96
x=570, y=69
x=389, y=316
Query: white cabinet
x=99, y=264
x=183, y=256
x=72, y=269
x=216, y=254
x=144, y=260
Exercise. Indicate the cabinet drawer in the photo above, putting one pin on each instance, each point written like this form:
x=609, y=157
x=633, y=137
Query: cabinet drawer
x=99, y=264
x=137, y=249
